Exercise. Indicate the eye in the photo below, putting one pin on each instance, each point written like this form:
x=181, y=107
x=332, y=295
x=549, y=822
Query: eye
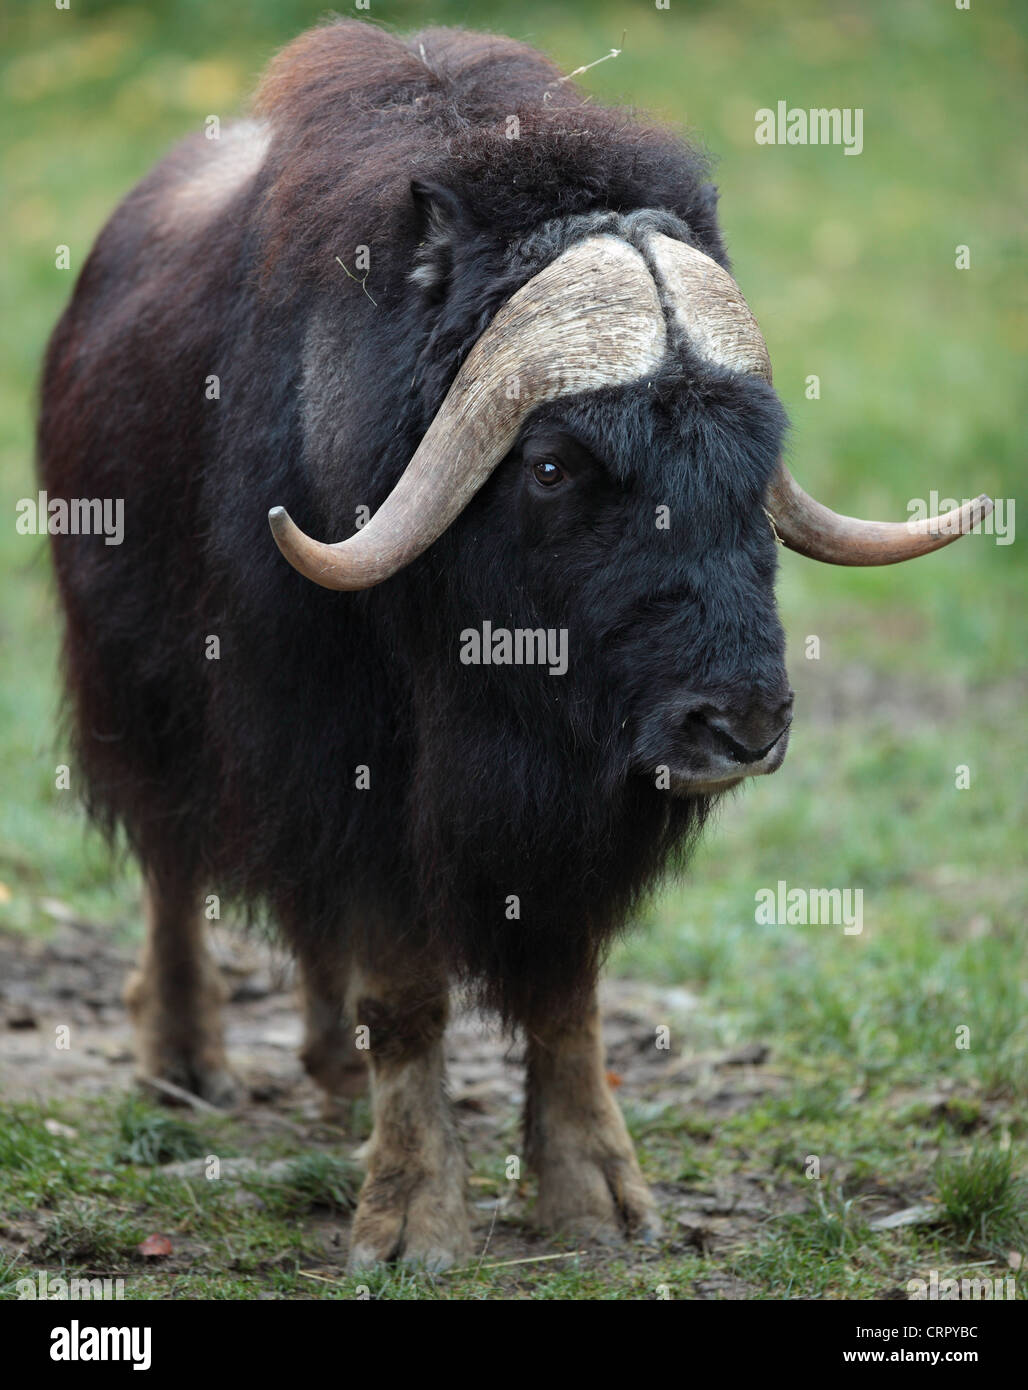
x=547, y=473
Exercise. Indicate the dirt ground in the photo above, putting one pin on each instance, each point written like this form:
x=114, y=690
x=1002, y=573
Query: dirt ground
x=75, y=978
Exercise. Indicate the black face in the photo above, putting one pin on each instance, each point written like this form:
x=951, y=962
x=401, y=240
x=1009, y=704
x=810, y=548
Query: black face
x=642, y=531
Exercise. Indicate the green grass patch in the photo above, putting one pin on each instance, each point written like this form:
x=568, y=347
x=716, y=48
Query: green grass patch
x=312, y=1182
x=985, y=1198
x=88, y=1236
x=148, y=1135
x=827, y=1250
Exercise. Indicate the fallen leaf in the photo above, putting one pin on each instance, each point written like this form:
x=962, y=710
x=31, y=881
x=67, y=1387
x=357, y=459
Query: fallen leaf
x=909, y=1216
x=58, y=1130
x=613, y=1079
x=154, y=1247
x=60, y=912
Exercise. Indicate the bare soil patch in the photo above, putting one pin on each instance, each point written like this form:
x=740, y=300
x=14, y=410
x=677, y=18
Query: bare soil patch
x=75, y=978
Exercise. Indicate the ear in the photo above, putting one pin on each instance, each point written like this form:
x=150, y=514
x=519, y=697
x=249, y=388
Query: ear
x=435, y=201
x=439, y=215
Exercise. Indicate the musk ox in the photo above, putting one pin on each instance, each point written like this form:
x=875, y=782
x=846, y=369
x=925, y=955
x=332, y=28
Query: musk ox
x=425, y=287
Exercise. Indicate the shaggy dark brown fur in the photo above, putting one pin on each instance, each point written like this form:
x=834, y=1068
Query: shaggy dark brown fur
x=239, y=774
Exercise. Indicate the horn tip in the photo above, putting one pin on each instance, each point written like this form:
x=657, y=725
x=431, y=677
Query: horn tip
x=278, y=520
x=974, y=513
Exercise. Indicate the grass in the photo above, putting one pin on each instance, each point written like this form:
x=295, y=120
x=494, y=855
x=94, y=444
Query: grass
x=827, y=1249
x=149, y=1136
x=85, y=1235
x=312, y=1182
x=902, y=1051
x=985, y=1199
x=80, y=1216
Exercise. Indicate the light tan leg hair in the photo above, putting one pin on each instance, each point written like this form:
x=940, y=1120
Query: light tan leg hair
x=412, y=1206
x=590, y=1183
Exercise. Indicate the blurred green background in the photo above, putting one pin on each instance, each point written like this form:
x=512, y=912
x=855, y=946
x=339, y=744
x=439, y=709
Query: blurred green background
x=849, y=264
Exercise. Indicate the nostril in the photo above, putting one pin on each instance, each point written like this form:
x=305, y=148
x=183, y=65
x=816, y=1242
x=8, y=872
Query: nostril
x=742, y=736
x=738, y=752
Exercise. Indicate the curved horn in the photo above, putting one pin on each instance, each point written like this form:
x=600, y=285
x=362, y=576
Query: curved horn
x=811, y=529
x=715, y=318
x=591, y=318
x=709, y=308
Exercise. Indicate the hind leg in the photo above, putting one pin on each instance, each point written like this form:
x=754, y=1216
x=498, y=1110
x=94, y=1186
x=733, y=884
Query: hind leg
x=175, y=997
x=329, y=1053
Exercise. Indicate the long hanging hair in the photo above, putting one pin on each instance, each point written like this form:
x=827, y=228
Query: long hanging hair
x=335, y=764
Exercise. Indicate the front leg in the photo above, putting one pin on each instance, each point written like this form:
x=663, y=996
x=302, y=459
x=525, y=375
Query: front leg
x=412, y=1206
x=576, y=1140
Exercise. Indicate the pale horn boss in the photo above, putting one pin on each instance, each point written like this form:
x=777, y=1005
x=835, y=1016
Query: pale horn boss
x=592, y=318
